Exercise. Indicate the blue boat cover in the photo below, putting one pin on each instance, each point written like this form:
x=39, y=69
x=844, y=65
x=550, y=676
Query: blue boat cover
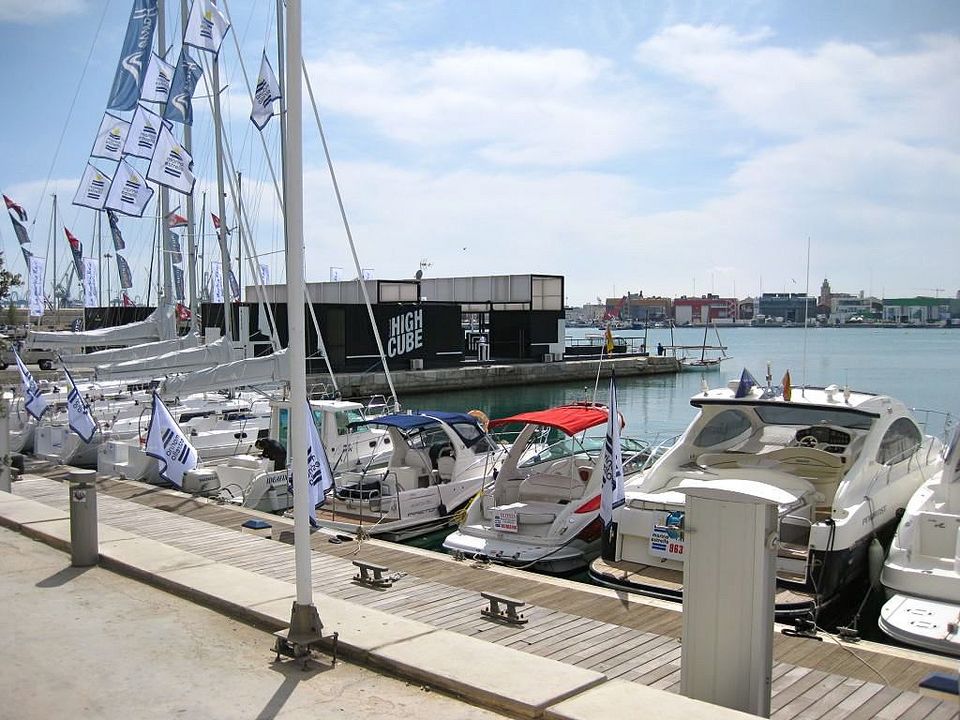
x=421, y=419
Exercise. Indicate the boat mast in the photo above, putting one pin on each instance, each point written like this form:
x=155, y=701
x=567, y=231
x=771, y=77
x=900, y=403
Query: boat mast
x=192, y=266
x=222, y=205
x=304, y=619
x=56, y=302
x=165, y=258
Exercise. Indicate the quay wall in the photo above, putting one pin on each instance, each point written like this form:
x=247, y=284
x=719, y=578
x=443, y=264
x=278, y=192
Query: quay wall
x=468, y=377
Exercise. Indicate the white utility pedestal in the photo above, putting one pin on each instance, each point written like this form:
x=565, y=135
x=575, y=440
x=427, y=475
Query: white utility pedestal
x=729, y=581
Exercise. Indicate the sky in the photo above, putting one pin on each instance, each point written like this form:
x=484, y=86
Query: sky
x=668, y=148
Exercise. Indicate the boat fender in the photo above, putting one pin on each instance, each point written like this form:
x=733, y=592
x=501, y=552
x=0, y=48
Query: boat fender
x=875, y=556
x=442, y=509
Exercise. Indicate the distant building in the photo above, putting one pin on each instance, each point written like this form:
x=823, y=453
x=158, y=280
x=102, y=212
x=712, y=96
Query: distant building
x=854, y=308
x=786, y=308
x=916, y=310
x=746, y=309
x=704, y=309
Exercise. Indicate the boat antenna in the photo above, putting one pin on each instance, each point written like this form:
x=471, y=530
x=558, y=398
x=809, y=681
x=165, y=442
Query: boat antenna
x=607, y=340
x=806, y=310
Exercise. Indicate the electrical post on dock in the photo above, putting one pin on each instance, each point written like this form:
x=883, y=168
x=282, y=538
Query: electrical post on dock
x=729, y=589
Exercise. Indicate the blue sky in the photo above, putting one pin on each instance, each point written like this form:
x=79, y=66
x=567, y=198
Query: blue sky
x=669, y=148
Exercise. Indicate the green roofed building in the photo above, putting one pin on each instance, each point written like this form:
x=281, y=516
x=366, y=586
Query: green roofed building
x=917, y=310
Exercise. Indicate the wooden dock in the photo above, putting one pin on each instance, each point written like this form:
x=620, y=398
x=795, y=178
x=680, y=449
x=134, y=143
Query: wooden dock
x=622, y=636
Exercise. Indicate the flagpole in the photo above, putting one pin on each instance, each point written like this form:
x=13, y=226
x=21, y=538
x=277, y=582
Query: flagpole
x=305, y=625
x=222, y=204
x=166, y=259
x=191, y=216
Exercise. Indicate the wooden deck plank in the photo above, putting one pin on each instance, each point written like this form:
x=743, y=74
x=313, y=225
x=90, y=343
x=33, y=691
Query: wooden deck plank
x=815, y=693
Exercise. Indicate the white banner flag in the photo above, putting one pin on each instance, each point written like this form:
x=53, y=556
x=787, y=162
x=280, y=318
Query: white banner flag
x=91, y=289
x=264, y=274
x=319, y=476
x=110, y=138
x=265, y=94
x=78, y=412
x=38, y=266
x=611, y=488
x=216, y=283
x=33, y=401
x=92, y=192
x=144, y=132
x=171, y=164
x=167, y=443
x=206, y=26
x=129, y=192
x=156, y=83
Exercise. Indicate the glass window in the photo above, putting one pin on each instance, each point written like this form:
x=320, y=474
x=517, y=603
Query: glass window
x=283, y=428
x=902, y=439
x=722, y=427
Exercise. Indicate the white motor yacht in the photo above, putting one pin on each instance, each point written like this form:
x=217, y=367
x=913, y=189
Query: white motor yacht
x=841, y=466
x=543, y=508
x=922, y=572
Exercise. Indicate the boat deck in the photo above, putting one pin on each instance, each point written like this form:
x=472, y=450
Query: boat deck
x=622, y=636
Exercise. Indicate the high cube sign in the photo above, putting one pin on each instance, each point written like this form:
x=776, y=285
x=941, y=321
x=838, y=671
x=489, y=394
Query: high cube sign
x=404, y=333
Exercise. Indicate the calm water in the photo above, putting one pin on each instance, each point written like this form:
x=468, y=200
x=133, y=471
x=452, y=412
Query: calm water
x=918, y=367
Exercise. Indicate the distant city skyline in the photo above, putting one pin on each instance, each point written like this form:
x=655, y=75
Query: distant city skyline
x=682, y=148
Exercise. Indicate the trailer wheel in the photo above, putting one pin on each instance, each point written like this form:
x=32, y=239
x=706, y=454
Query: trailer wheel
x=45, y=364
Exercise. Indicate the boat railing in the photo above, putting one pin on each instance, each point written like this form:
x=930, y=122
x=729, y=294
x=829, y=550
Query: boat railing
x=659, y=448
x=938, y=423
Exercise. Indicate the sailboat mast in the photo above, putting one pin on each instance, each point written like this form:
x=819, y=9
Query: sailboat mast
x=166, y=259
x=56, y=302
x=192, y=266
x=222, y=205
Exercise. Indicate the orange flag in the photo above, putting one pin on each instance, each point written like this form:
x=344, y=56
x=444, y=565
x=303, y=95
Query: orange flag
x=787, y=390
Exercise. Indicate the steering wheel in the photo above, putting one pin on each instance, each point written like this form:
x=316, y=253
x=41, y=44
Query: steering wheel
x=808, y=441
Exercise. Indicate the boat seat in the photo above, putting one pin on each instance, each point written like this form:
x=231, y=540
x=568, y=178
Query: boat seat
x=445, y=467
x=550, y=487
x=248, y=461
x=822, y=469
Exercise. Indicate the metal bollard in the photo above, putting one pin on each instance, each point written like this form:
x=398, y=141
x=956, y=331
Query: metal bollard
x=84, y=545
x=5, y=474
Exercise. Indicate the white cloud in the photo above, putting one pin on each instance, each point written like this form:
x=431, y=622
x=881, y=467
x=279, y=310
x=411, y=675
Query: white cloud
x=551, y=107
x=39, y=13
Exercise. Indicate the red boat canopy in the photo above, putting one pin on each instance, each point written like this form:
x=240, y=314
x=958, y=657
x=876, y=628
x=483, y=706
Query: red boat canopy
x=571, y=419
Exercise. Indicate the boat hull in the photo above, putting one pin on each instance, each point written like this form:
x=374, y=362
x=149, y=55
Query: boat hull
x=922, y=623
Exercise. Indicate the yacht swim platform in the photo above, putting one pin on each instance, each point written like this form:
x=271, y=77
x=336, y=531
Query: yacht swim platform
x=631, y=638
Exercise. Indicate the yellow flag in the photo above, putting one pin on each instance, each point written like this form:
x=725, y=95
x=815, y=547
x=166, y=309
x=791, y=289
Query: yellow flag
x=787, y=389
x=609, y=337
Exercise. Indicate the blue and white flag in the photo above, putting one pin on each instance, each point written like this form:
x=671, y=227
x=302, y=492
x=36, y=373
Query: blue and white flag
x=78, y=412
x=178, y=283
x=611, y=488
x=33, y=401
x=156, y=84
x=35, y=296
x=118, y=243
x=319, y=476
x=216, y=283
x=167, y=443
x=172, y=165
x=91, y=286
x=265, y=94
x=129, y=192
x=234, y=287
x=173, y=247
x=93, y=189
x=126, y=277
x=206, y=26
x=110, y=138
x=134, y=57
x=747, y=381
x=179, y=107
x=144, y=133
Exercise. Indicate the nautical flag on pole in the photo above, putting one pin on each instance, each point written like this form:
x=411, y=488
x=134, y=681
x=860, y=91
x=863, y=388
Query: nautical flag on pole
x=144, y=132
x=747, y=381
x=216, y=282
x=179, y=107
x=15, y=209
x=216, y=223
x=93, y=188
x=319, y=476
x=156, y=84
x=264, y=274
x=234, y=287
x=91, y=290
x=129, y=192
x=18, y=216
x=265, y=94
x=77, y=249
x=26, y=256
x=172, y=165
x=33, y=401
x=78, y=412
x=175, y=221
x=126, y=278
x=787, y=387
x=118, y=243
x=611, y=488
x=608, y=340
x=173, y=244
x=134, y=56
x=110, y=138
x=38, y=266
x=127, y=302
x=167, y=443
x=206, y=26
x=178, y=282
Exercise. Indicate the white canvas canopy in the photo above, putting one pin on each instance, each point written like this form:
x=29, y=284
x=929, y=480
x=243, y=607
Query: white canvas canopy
x=134, y=352
x=198, y=358
x=267, y=370
x=159, y=325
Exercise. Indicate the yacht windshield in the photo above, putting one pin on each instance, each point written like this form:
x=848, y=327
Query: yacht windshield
x=802, y=415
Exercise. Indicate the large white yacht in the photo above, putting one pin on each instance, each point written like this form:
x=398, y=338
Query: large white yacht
x=841, y=466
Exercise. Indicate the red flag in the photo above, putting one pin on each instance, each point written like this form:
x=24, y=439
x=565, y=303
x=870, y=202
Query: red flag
x=74, y=243
x=127, y=302
x=18, y=209
x=216, y=223
x=183, y=313
x=175, y=221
